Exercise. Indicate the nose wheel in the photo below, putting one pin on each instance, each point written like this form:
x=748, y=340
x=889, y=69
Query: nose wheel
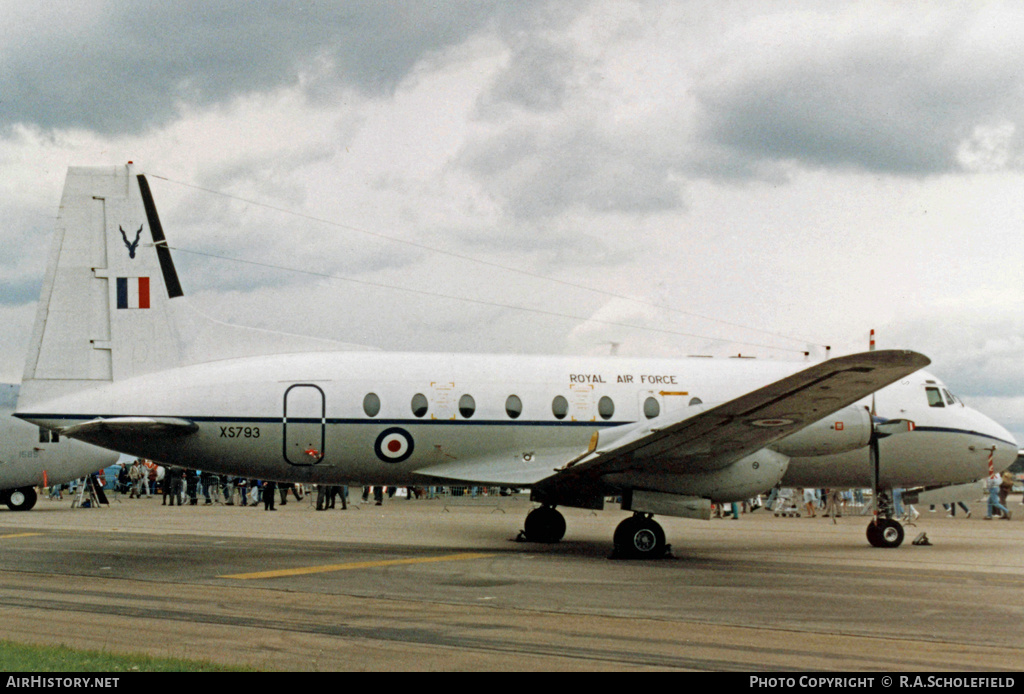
x=885, y=532
x=639, y=537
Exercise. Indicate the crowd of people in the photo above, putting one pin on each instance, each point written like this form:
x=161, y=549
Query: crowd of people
x=182, y=486
x=811, y=503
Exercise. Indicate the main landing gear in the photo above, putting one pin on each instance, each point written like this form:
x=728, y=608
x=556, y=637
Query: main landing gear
x=545, y=525
x=22, y=499
x=637, y=537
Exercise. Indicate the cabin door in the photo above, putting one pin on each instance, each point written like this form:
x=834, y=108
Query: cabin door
x=305, y=423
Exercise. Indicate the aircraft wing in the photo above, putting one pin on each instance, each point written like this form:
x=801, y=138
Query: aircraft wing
x=679, y=443
x=728, y=432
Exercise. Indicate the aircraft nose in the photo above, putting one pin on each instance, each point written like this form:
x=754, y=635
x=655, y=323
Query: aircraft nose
x=1005, y=444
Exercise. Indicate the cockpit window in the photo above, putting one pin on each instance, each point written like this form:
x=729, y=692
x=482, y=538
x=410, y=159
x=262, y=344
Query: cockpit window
x=950, y=400
x=934, y=397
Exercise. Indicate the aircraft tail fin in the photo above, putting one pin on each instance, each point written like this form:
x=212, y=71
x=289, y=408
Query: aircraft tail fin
x=112, y=306
x=104, y=308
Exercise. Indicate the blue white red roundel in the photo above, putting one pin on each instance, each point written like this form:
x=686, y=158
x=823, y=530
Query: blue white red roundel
x=393, y=445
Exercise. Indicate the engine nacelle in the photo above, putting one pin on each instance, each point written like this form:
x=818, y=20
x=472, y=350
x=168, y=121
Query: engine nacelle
x=845, y=430
x=747, y=477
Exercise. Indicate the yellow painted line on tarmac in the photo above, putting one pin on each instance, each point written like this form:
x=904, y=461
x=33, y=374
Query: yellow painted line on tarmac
x=11, y=537
x=279, y=573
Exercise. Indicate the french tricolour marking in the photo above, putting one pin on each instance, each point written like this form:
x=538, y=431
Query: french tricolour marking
x=393, y=445
x=133, y=292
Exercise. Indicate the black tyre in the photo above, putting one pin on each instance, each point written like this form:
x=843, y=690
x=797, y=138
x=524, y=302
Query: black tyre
x=544, y=524
x=885, y=533
x=23, y=499
x=639, y=537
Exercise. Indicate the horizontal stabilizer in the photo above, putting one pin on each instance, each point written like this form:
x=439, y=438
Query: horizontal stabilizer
x=131, y=426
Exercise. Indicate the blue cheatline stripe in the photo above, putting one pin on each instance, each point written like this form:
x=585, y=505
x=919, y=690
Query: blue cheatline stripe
x=317, y=420
x=122, y=292
x=427, y=422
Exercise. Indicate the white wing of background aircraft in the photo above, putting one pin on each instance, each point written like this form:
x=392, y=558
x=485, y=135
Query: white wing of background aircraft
x=32, y=456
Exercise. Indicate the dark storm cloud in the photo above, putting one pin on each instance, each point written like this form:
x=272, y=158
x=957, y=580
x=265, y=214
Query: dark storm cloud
x=123, y=67
x=880, y=103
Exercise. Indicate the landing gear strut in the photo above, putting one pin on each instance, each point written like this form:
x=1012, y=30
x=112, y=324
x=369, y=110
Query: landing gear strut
x=883, y=531
x=639, y=537
x=544, y=524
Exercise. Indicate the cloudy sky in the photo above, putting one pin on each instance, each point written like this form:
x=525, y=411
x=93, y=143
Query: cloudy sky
x=549, y=177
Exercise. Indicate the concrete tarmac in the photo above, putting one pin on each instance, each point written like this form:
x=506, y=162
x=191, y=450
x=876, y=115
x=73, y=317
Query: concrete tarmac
x=430, y=585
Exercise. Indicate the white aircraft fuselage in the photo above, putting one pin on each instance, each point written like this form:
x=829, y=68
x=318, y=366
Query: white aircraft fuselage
x=326, y=434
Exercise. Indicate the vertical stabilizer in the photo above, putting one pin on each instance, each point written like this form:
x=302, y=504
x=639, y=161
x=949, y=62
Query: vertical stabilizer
x=112, y=306
x=104, y=312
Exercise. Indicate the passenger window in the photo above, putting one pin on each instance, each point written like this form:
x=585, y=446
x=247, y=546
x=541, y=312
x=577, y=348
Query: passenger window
x=371, y=405
x=652, y=408
x=55, y=437
x=696, y=401
x=419, y=405
x=934, y=397
x=467, y=406
x=559, y=407
x=513, y=406
x=44, y=435
x=605, y=407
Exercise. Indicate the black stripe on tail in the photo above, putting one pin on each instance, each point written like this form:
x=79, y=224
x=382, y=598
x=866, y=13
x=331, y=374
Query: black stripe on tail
x=163, y=253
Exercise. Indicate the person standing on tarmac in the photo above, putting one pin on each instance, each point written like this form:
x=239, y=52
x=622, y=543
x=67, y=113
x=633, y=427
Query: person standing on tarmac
x=334, y=493
x=269, y=487
x=993, y=497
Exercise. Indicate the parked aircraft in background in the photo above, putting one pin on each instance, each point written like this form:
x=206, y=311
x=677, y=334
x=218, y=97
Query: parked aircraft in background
x=120, y=359
x=32, y=456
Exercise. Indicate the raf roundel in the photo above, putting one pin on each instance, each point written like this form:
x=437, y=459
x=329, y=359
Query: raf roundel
x=393, y=445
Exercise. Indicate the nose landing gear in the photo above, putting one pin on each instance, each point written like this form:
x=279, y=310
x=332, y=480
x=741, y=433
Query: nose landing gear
x=885, y=532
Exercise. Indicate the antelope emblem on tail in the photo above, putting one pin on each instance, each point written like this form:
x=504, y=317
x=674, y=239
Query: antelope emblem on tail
x=131, y=246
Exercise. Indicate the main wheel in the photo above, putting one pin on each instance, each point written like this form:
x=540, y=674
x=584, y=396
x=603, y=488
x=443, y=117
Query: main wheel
x=885, y=533
x=544, y=524
x=639, y=537
x=21, y=499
